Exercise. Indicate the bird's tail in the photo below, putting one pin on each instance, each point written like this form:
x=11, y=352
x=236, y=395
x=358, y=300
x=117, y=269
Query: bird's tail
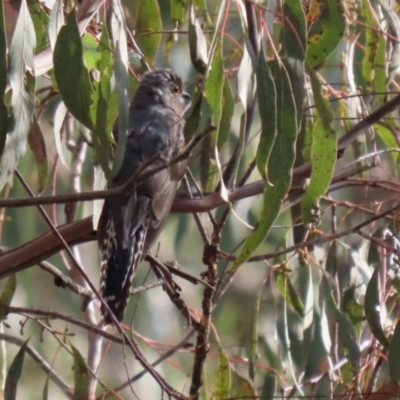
x=120, y=259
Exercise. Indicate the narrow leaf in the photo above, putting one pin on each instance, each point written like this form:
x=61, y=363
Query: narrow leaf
x=59, y=118
x=3, y=79
x=81, y=376
x=148, y=20
x=279, y=167
x=223, y=377
x=14, y=374
x=372, y=308
x=242, y=388
x=7, y=296
x=118, y=33
x=56, y=21
x=323, y=155
x=211, y=113
x=38, y=147
x=295, y=48
x=228, y=106
x=21, y=54
x=393, y=356
x=326, y=32
x=71, y=75
x=267, y=107
x=197, y=44
x=40, y=21
x=254, y=337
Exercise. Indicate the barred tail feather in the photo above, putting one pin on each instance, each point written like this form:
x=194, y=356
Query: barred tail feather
x=118, y=266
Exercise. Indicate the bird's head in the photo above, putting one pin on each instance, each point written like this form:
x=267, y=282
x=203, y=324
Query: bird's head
x=162, y=86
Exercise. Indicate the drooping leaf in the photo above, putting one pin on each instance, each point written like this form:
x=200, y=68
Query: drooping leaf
x=7, y=296
x=373, y=309
x=81, y=376
x=56, y=21
x=287, y=290
x=38, y=147
x=211, y=112
x=223, y=377
x=148, y=19
x=40, y=21
x=71, y=75
x=178, y=11
x=295, y=48
x=242, y=388
x=197, y=44
x=118, y=33
x=90, y=51
x=3, y=79
x=346, y=332
x=228, y=106
x=393, y=21
x=106, y=108
x=279, y=167
x=22, y=82
x=59, y=118
x=323, y=153
x=245, y=79
x=14, y=374
x=393, y=355
x=372, y=35
x=266, y=92
x=254, y=337
x=326, y=32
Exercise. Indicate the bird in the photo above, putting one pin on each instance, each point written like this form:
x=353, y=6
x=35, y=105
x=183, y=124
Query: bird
x=130, y=224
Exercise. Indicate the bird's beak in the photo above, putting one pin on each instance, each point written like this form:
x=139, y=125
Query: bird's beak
x=186, y=96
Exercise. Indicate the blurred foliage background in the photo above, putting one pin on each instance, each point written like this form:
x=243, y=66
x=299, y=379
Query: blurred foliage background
x=288, y=214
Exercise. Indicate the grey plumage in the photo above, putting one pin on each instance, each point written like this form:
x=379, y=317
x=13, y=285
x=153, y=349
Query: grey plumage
x=129, y=225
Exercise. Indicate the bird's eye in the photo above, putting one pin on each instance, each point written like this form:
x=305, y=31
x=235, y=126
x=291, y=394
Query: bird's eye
x=176, y=89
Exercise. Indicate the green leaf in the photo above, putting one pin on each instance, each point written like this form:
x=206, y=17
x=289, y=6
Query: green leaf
x=326, y=32
x=56, y=21
x=387, y=131
x=21, y=54
x=372, y=307
x=197, y=44
x=223, y=377
x=3, y=79
x=372, y=35
x=295, y=48
x=38, y=147
x=71, y=75
x=288, y=292
x=242, y=388
x=393, y=63
x=40, y=21
x=118, y=34
x=254, y=337
x=211, y=111
x=81, y=376
x=46, y=389
x=323, y=155
x=245, y=79
x=267, y=107
x=90, y=51
x=280, y=165
x=393, y=355
x=348, y=337
x=7, y=296
x=178, y=11
x=228, y=107
x=148, y=20
x=106, y=108
x=14, y=374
